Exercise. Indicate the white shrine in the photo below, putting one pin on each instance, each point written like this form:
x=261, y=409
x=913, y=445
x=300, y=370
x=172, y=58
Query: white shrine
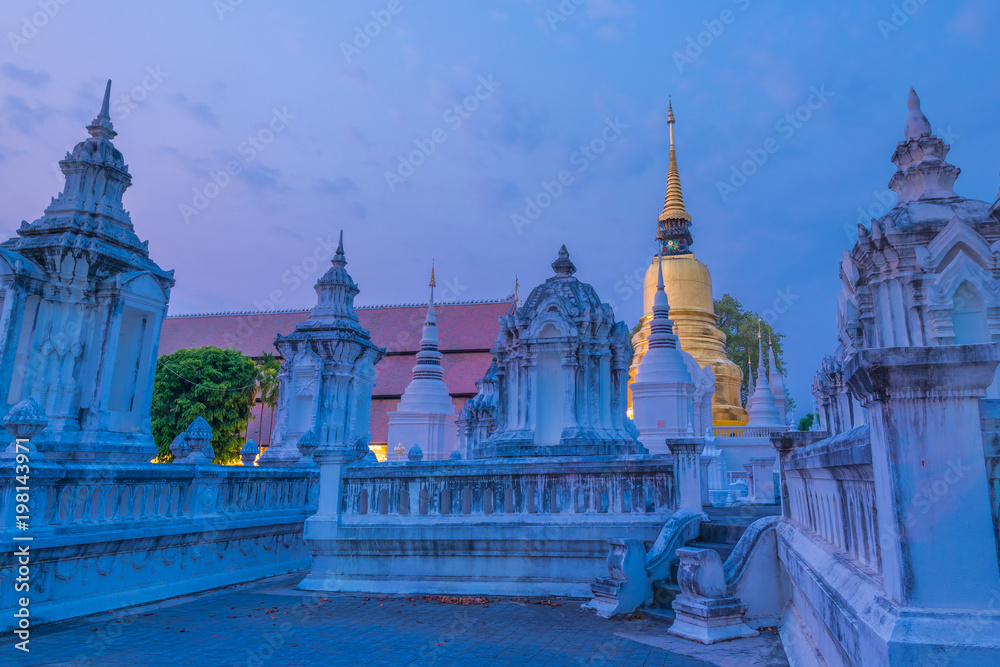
x=425, y=415
x=81, y=305
x=562, y=371
x=671, y=393
x=761, y=406
x=327, y=378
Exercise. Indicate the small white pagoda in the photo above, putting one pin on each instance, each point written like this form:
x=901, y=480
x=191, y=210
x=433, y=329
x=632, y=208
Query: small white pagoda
x=425, y=415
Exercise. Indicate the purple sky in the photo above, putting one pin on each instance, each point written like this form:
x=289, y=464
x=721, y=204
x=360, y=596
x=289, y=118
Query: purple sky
x=314, y=126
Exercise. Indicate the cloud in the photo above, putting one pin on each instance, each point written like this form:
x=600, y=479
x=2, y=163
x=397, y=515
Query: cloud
x=609, y=33
x=24, y=117
x=200, y=111
x=337, y=186
x=609, y=8
x=29, y=77
x=261, y=177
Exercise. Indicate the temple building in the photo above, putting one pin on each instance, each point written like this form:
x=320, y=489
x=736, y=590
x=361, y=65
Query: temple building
x=425, y=415
x=467, y=331
x=689, y=290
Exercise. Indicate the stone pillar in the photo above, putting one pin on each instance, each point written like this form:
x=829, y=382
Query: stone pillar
x=763, y=480
x=687, y=471
x=786, y=443
x=935, y=522
x=706, y=461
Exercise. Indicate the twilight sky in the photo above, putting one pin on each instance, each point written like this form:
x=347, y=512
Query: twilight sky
x=255, y=131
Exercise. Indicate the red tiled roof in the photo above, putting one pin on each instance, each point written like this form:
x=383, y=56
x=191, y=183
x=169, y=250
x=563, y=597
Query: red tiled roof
x=467, y=332
x=461, y=326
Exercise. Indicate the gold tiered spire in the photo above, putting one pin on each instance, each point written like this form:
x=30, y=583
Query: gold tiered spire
x=673, y=205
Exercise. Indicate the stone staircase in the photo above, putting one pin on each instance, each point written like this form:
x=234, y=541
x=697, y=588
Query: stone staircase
x=721, y=534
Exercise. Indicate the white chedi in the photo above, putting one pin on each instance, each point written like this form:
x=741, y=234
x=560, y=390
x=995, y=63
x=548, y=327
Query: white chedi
x=425, y=415
x=671, y=394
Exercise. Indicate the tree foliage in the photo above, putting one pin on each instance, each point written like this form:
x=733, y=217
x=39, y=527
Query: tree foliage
x=741, y=326
x=806, y=423
x=219, y=385
x=267, y=384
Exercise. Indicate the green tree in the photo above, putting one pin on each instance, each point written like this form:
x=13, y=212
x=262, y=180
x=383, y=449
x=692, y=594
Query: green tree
x=806, y=422
x=267, y=385
x=741, y=326
x=219, y=385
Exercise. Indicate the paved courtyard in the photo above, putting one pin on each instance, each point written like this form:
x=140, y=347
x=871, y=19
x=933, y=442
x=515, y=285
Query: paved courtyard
x=269, y=623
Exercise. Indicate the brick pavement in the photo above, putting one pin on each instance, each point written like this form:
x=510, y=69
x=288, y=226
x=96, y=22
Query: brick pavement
x=268, y=623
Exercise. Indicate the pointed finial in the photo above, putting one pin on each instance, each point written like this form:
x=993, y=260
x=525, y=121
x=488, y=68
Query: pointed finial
x=917, y=124
x=339, y=259
x=516, y=286
x=340, y=246
x=101, y=127
x=673, y=204
x=432, y=283
x=563, y=266
x=659, y=271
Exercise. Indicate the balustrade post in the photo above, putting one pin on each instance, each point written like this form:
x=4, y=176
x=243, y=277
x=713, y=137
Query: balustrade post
x=687, y=471
x=935, y=521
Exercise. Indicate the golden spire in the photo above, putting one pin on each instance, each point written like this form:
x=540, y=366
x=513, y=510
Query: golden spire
x=516, y=285
x=673, y=206
x=432, y=284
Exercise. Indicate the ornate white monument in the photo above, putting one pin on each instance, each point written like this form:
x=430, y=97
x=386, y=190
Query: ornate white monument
x=761, y=406
x=81, y=305
x=425, y=415
x=477, y=419
x=671, y=393
x=326, y=380
x=562, y=370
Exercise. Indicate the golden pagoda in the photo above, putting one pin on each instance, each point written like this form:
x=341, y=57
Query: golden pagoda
x=688, y=285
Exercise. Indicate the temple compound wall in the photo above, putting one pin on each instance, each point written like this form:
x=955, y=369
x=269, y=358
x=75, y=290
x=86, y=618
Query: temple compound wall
x=891, y=523
x=81, y=304
x=550, y=467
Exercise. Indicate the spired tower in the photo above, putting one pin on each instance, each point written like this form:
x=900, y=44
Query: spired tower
x=81, y=304
x=688, y=285
x=425, y=415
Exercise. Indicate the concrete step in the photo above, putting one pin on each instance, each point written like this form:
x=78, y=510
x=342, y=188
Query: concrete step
x=604, y=588
x=666, y=616
x=721, y=533
x=723, y=549
x=664, y=593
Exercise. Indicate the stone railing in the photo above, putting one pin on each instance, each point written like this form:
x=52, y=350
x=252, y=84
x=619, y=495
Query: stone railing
x=746, y=431
x=990, y=418
x=519, y=526
x=476, y=487
x=831, y=493
x=104, y=535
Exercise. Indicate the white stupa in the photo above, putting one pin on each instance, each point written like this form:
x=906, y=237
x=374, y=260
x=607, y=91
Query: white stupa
x=667, y=384
x=777, y=384
x=761, y=406
x=425, y=415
